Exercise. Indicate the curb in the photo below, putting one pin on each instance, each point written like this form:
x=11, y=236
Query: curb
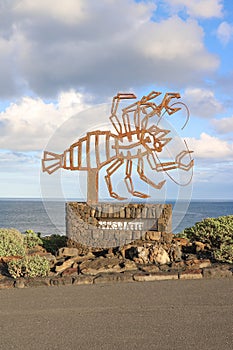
x=120, y=277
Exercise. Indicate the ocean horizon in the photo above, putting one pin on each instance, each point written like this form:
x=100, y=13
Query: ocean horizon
x=48, y=216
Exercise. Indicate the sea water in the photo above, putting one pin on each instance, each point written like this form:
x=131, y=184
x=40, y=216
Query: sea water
x=48, y=217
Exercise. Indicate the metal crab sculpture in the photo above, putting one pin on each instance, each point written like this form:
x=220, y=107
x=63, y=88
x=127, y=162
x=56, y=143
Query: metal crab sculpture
x=133, y=140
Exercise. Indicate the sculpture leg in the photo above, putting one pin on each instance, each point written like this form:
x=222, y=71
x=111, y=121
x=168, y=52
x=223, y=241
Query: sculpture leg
x=143, y=177
x=108, y=180
x=129, y=182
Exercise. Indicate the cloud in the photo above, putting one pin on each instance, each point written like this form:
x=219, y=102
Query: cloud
x=7, y=59
x=199, y=8
x=98, y=47
x=225, y=32
x=64, y=11
x=12, y=156
x=224, y=125
x=176, y=52
x=29, y=123
x=213, y=161
x=202, y=102
x=211, y=148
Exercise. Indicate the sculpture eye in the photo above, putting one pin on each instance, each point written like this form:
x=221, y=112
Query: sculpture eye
x=147, y=139
x=158, y=146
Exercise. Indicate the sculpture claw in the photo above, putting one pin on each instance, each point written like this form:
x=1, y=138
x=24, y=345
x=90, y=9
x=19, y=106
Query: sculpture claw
x=116, y=196
x=140, y=194
x=181, y=165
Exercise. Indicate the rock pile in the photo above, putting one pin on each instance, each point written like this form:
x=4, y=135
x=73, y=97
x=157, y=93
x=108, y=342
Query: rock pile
x=159, y=256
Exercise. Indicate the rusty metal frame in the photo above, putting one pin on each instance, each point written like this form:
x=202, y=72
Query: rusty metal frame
x=133, y=139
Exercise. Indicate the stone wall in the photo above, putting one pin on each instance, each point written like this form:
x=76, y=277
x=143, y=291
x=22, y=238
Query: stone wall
x=112, y=225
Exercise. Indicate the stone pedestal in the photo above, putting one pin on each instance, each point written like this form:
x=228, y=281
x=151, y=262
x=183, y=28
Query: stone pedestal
x=111, y=225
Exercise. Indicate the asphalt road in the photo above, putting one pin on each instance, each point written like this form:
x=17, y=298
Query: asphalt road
x=191, y=314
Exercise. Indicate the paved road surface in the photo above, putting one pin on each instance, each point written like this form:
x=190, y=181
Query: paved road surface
x=171, y=315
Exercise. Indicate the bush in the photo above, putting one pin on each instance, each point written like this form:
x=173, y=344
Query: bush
x=215, y=232
x=11, y=242
x=14, y=243
x=31, y=239
x=29, y=266
x=53, y=243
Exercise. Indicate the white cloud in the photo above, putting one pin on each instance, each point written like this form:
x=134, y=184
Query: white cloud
x=225, y=32
x=28, y=124
x=187, y=50
x=115, y=46
x=211, y=148
x=11, y=161
x=68, y=11
x=224, y=125
x=202, y=102
x=199, y=8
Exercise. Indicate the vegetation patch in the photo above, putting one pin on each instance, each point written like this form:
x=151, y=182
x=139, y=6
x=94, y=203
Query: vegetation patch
x=53, y=243
x=29, y=266
x=15, y=245
x=217, y=233
x=31, y=239
x=11, y=242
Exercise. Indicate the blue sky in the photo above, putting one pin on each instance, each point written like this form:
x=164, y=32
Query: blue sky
x=60, y=58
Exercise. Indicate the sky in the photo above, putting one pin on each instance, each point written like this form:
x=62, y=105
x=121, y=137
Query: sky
x=61, y=58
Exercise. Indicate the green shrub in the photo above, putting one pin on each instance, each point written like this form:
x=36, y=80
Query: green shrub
x=29, y=266
x=53, y=243
x=31, y=239
x=215, y=232
x=11, y=242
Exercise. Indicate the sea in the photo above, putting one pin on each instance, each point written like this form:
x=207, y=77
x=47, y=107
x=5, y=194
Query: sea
x=48, y=217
